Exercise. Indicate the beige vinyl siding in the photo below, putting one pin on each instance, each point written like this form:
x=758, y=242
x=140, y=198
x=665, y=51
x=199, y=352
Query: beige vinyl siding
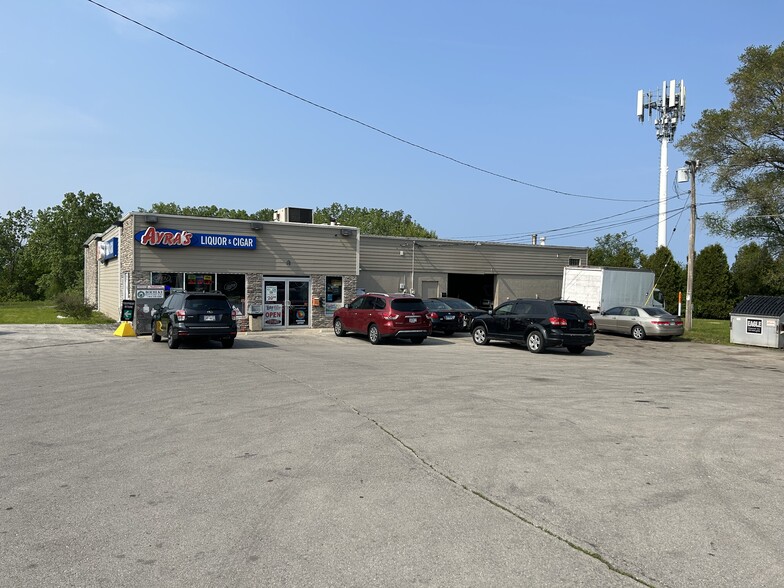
x=384, y=254
x=109, y=288
x=282, y=249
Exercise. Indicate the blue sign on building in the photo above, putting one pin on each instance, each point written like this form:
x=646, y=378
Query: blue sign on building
x=109, y=249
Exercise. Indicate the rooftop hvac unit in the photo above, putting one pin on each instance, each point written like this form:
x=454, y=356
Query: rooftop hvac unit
x=294, y=215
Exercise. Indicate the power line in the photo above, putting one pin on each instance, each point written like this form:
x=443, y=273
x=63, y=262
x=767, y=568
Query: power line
x=585, y=227
x=354, y=120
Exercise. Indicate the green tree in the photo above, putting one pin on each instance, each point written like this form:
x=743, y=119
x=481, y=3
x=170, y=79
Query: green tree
x=741, y=150
x=373, y=221
x=714, y=295
x=670, y=277
x=212, y=211
x=615, y=250
x=754, y=270
x=56, y=243
x=16, y=279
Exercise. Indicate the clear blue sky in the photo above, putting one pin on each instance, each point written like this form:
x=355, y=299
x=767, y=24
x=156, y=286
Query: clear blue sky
x=541, y=92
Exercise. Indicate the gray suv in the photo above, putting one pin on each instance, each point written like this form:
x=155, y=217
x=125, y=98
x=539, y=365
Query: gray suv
x=538, y=324
x=195, y=316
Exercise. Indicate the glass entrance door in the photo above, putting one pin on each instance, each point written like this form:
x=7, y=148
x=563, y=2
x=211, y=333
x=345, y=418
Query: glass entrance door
x=286, y=302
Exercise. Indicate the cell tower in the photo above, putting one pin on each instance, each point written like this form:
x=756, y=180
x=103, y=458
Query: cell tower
x=670, y=103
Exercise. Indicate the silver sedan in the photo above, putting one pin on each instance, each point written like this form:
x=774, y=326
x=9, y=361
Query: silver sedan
x=639, y=322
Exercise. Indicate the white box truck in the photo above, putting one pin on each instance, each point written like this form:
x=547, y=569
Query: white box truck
x=602, y=288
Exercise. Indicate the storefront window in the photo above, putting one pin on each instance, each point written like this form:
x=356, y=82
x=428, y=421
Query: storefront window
x=199, y=282
x=334, y=294
x=170, y=280
x=233, y=286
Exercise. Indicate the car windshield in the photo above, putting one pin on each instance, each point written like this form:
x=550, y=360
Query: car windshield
x=204, y=303
x=437, y=305
x=459, y=304
x=572, y=310
x=408, y=304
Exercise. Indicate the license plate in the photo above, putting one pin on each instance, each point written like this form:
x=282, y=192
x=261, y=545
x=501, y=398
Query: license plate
x=209, y=317
x=412, y=319
x=449, y=317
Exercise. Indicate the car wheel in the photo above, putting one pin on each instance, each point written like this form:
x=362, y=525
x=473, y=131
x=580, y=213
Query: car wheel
x=417, y=340
x=479, y=335
x=638, y=332
x=156, y=338
x=575, y=349
x=227, y=343
x=374, y=335
x=171, y=339
x=534, y=342
x=338, y=327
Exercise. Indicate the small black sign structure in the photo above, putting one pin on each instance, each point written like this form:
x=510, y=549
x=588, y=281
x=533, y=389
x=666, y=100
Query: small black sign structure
x=127, y=309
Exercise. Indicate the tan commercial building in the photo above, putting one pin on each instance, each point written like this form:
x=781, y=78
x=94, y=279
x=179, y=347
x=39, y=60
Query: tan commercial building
x=295, y=274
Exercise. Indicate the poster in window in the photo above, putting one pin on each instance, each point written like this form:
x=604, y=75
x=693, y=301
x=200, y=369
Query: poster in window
x=334, y=289
x=273, y=315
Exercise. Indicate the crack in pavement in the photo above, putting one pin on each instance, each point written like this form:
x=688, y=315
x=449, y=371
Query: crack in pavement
x=495, y=502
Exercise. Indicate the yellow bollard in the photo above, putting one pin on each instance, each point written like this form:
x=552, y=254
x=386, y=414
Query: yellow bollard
x=125, y=330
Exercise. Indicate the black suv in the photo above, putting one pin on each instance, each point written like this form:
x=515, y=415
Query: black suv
x=191, y=316
x=538, y=324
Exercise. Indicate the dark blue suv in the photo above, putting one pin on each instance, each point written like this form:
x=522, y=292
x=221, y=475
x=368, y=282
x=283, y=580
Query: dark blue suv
x=194, y=316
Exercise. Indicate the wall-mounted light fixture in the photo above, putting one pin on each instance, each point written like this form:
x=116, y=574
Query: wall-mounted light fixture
x=151, y=219
x=346, y=232
x=256, y=226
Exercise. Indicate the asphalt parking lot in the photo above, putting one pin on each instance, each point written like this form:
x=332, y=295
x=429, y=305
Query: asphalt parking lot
x=302, y=459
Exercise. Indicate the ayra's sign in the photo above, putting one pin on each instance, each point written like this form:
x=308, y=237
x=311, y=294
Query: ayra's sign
x=170, y=238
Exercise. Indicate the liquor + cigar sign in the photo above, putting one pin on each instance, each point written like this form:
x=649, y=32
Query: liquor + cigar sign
x=170, y=238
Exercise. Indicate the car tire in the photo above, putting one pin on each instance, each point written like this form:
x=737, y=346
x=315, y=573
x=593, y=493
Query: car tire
x=338, y=328
x=576, y=349
x=638, y=332
x=227, y=343
x=417, y=340
x=171, y=340
x=479, y=335
x=534, y=342
x=156, y=338
x=374, y=335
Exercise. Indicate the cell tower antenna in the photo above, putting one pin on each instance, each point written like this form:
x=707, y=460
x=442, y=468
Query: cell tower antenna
x=670, y=106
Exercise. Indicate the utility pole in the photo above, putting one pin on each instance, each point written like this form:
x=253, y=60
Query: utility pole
x=692, y=166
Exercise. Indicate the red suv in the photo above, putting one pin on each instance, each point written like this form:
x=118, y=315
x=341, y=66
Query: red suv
x=381, y=316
